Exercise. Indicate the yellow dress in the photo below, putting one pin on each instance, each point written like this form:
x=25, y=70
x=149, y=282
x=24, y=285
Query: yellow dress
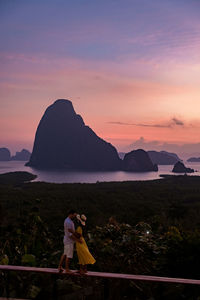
x=84, y=255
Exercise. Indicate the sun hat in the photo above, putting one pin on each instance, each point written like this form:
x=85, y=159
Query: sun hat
x=81, y=219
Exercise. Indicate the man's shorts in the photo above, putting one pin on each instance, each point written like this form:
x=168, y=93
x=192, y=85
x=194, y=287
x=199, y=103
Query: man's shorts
x=69, y=250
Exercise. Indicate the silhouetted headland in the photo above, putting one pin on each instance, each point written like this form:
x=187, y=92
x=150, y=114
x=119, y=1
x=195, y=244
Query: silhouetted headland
x=16, y=177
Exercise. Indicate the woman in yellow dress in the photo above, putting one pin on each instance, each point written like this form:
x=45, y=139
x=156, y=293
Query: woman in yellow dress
x=84, y=255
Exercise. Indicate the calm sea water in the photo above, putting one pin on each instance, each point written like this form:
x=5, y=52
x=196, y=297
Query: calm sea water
x=88, y=177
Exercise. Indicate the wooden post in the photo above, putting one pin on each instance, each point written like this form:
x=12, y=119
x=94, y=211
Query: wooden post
x=7, y=278
x=106, y=288
x=55, y=288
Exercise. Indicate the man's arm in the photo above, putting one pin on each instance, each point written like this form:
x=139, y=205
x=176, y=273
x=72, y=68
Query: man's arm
x=73, y=236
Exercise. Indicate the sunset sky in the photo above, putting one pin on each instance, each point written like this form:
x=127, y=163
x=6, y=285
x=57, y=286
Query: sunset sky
x=130, y=67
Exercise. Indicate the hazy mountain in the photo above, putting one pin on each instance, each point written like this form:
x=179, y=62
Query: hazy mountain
x=163, y=157
x=183, y=150
x=5, y=154
x=23, y=155
x=159, y=158
x=194, y=159
x=62, y=140
x=138, y=161
x=172, y=154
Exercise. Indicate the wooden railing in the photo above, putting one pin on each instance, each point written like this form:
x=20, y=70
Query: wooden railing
x=55, y=273
x=102, y=275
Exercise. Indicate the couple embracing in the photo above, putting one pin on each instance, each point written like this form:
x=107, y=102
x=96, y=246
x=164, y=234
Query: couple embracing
x=72, y=237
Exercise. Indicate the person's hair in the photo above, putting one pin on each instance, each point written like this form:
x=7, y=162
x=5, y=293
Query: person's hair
x=71, y=212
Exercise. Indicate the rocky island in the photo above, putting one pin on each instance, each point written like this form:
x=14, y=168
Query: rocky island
x=23, y=155
x=138, y=161
x=179, y=167
x=63, y=141
x=5, y=154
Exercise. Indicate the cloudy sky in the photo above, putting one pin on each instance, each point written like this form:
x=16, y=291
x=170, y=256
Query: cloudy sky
x=130, y=67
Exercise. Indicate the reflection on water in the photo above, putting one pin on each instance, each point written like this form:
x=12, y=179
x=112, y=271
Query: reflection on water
x=88, y=177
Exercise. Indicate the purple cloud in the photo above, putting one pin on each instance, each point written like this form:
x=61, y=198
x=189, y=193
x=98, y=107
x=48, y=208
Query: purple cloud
x=172, y=123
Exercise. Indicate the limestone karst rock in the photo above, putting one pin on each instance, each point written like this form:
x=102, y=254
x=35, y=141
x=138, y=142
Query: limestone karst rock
x=23, y=155
x=138, y=161
x=63, y=141
x=4, y=154
x=179, y=167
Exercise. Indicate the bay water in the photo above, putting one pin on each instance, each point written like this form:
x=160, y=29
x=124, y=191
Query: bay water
x=58, y=176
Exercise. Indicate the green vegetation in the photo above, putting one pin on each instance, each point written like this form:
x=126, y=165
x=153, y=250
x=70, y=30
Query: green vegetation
x=157, y=232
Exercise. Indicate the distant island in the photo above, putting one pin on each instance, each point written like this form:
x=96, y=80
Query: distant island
x=194, y=159
x=5, y=154
x=159, y=158
x=23, y=155
x=138, y=161
x=163, y=157
x=179, y=167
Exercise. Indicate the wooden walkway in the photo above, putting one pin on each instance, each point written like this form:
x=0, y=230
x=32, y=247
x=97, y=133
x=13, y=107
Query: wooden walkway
x=101, y=275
